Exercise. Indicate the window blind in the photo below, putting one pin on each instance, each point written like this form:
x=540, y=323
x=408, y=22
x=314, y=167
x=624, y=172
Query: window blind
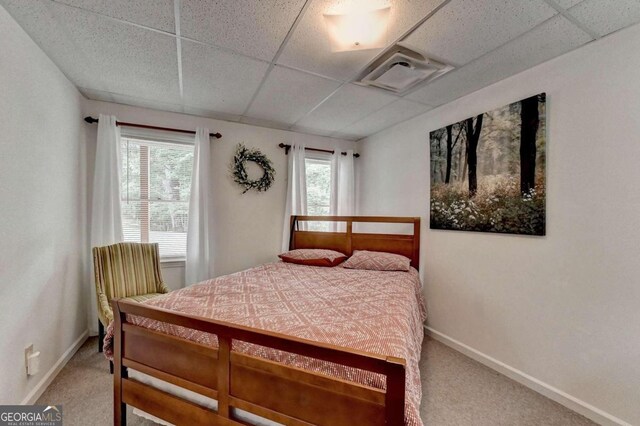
x=156, y=185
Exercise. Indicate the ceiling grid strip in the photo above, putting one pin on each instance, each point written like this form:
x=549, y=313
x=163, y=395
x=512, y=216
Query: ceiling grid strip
x=476, y=59
x=340, y=131
x=402, y=37
x=111, y=18
x=304, y=8
x=176, y=13
x=564, y=12
x=309, y=72
x=159, y=31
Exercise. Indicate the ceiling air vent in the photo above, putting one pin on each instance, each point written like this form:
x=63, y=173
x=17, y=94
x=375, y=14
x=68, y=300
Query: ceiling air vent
x=400, y=69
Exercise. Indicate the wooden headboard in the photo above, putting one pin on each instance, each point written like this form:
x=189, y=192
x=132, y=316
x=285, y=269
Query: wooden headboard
x=346, y=242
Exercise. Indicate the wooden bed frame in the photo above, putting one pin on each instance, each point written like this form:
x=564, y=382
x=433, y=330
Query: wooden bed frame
x=346, y=242
x=275, y=391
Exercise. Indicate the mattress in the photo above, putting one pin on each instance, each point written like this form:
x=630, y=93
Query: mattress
x=380, y=312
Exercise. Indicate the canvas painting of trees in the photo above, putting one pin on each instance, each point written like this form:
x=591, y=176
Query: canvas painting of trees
x=488, y=171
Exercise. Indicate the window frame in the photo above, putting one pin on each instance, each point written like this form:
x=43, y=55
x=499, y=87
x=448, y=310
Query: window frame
x=157, y=138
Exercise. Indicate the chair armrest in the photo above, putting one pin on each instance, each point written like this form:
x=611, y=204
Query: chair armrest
x=162, y=288
x=105, y=307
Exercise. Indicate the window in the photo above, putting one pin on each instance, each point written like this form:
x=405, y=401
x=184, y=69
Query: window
x=156, y=184
x=318, y=178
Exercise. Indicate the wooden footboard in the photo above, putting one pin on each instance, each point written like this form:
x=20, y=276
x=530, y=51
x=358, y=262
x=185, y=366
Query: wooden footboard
x=275, y=391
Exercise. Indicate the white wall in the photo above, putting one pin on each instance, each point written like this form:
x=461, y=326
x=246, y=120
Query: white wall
x=246, y=229
x=564, y=308
x=42, y=237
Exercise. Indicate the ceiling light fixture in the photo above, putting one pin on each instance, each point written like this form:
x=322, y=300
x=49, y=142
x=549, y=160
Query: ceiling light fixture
x=358, y=30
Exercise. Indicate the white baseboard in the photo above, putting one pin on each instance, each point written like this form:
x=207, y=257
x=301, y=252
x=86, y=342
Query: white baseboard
x=571, y=402
x=39, y=389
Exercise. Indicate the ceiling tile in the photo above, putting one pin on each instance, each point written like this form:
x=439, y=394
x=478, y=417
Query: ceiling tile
x=566, y=4
x=151, y=13
x=554, y=37
x=146, y=103
x=605, y=17
x=389, y=115
x=100, y=53
x=462, y=30
x=254, y=28
x=288, y=94
x=218, y=80
x=264, y=123
x=96, y=95
x=312, y=131
x=309, y=46
x=346, y=136
x=346, y=106
x=202, y=112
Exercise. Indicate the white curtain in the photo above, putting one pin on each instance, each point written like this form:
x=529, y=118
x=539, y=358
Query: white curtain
x=198, y=245
x=346, y=202
x=106, y=219
x=342, y=188
x=335, y=180
x=296, y=203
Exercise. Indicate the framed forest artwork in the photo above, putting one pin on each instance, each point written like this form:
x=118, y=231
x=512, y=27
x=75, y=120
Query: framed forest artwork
x=488, y=171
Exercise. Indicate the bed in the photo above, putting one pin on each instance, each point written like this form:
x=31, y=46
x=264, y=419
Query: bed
x=280, y=343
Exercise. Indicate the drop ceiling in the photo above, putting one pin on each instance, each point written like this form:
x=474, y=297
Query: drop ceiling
x=270, y=63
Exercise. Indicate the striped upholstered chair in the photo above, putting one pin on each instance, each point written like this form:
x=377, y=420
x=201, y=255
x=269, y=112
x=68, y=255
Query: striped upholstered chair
x=125, y=270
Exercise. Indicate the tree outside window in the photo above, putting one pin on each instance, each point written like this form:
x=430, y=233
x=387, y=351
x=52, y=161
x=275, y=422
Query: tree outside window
x=156, y=186
x=318, y=178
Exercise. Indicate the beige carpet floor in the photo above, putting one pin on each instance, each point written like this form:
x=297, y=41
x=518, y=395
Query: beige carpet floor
x=456, y=391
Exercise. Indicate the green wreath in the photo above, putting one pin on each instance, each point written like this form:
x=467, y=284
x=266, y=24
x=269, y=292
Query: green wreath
x=239, y=170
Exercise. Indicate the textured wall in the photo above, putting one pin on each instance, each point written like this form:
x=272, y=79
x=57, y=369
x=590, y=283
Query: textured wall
x=246, y=229
x=561, y=308
x=43, y=193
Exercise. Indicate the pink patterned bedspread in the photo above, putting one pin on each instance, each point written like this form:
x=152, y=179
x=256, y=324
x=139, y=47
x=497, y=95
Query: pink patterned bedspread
x=373, y=311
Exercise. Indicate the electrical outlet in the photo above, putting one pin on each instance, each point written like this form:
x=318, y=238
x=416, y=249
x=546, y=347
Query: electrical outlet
x=31, y=360
x=27, y=352
x=33, y=364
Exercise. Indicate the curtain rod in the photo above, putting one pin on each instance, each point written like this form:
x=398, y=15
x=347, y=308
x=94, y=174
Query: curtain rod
x=287, y=147
x=92, y=120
